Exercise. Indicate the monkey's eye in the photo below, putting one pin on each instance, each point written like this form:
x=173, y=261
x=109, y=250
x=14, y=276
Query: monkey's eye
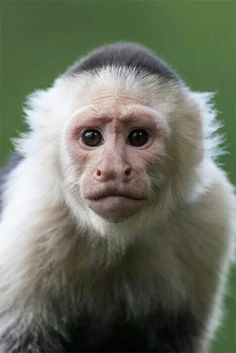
x=138, y=137
x=92, y=137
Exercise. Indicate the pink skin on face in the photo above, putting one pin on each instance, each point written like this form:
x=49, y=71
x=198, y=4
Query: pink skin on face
x=114, y=179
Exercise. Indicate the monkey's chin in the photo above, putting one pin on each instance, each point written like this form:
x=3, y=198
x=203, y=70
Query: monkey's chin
x=115, y=209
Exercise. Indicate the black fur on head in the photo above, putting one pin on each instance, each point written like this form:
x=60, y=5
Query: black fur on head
x=122, y=54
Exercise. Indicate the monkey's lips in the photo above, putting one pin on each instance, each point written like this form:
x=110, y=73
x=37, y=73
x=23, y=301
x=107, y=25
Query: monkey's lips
x=115, y=203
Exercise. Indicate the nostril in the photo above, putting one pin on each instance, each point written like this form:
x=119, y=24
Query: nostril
x=128, y=171
x=98, y=172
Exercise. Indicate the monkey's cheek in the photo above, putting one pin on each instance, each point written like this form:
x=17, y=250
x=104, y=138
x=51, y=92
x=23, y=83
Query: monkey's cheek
x=115, y=208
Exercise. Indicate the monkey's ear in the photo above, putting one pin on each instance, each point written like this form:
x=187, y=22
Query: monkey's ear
x=35, y=113
x=36, y=108
x=43, y=116
x=51, y=108
x=212, y=140
x=46, y=114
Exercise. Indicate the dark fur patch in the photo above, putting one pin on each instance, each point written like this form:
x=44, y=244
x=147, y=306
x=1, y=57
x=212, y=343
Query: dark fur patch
x=128, y=55
x=157, y=333
x=4, y=172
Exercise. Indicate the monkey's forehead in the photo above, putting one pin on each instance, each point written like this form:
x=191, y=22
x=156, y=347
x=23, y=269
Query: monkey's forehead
x=132, y=56
x=117, y=86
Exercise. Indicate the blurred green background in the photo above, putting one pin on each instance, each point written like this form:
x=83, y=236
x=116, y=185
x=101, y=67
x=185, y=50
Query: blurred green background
x=39, y=39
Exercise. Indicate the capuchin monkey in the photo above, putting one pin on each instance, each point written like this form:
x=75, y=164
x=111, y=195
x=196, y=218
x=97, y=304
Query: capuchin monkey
x=116, y=225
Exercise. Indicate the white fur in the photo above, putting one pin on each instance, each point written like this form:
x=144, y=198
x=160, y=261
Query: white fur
x=54, y=248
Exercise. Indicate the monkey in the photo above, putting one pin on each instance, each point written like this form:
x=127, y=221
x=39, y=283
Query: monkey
x=117, y=224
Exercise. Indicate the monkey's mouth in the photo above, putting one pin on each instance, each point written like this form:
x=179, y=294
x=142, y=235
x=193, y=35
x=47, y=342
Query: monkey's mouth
x=113, y=204
x=114, y=195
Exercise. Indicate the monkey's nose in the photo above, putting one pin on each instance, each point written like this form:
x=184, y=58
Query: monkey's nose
x=115, y=174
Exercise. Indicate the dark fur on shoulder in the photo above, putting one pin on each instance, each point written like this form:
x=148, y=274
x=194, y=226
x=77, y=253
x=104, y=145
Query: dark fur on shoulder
x=4, y=172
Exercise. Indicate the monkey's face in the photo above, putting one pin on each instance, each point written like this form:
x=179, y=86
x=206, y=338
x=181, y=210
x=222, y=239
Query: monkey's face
x=114, y=144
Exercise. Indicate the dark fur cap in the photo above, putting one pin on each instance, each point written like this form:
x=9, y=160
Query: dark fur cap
x=122, y=54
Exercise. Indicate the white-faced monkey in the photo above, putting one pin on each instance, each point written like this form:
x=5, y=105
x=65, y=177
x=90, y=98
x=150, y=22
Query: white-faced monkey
x=116, y=228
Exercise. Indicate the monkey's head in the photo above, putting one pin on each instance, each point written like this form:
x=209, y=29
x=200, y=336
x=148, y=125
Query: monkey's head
x=124, y=131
